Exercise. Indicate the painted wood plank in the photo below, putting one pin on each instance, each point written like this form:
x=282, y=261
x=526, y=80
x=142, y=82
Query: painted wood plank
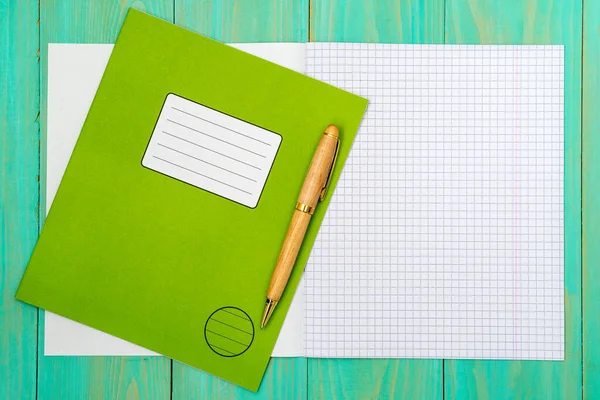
x=386, y=21
x=590, y=196
x=244, y=21
x=19, y=169
x=532, y=22
x=389, y=21
x=285, y=379
x=239, y=21
x=111, y=378
x=374, y=379
x=75, y=21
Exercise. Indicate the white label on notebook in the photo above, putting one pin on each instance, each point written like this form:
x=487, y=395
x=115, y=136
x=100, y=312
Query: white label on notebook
x=211, y=150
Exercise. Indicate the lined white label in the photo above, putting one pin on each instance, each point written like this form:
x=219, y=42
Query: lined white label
x=211, y=150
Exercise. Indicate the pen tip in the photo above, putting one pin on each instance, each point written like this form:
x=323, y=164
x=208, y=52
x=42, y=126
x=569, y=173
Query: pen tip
x=269, y=307
x=333, y=130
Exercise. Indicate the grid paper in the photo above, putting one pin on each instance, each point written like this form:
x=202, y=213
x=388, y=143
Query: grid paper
x=444, y=237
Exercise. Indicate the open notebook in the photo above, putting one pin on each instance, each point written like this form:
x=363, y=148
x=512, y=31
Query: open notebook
x=444, y=238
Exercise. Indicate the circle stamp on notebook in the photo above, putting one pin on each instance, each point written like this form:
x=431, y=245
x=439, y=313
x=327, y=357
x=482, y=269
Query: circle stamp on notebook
x=229, y=331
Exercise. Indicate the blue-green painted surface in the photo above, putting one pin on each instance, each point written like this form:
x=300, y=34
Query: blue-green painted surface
x=27, y=26
x=591, y=199
x=19, y=191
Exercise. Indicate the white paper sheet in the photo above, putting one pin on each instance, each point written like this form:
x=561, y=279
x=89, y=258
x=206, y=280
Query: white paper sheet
x=444, y=238
x=74, y=73
x=211, y=150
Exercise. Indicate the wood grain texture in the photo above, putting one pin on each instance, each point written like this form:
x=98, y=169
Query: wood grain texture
x=319, y=169
x=316, y=178
x=285, y=379
x=389, y=21
x=374, y=379
x=244, y=21
x=75, y=21
x=111, y=378
x=19, y=169
x=288, y=254
x=532, y=22
x=590, y=199
x=239, y=21
x=382, y=21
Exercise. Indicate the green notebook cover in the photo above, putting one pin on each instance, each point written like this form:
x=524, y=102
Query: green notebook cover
x=157, y=261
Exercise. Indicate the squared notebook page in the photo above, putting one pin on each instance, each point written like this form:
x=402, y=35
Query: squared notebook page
x=444, y=238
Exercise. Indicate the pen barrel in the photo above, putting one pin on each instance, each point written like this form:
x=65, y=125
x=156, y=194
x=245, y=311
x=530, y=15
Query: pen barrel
x=287, y=256
x=318, y=172
x=317, y=175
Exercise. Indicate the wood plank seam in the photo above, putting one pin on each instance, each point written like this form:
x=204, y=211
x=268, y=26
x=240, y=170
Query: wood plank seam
x=39, y=200
x=581, y=305
x=310, y=16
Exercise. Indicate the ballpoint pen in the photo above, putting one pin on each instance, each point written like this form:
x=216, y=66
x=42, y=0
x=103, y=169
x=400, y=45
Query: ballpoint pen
x=314, y=189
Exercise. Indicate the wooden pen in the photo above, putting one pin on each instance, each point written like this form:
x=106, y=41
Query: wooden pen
x=314, y=189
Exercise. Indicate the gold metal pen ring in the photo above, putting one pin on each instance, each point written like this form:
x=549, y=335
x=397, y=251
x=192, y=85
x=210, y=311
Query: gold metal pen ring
x=305, y=208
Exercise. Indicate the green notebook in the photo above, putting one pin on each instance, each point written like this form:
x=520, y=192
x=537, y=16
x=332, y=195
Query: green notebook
x=170, y=216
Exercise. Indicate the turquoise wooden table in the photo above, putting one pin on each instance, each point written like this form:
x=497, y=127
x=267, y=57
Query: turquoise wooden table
x=26, y=28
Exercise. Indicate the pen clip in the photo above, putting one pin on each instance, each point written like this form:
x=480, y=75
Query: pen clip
x=328, y=181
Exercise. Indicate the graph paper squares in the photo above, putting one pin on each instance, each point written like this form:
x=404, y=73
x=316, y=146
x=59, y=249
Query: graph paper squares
x=444, y=238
